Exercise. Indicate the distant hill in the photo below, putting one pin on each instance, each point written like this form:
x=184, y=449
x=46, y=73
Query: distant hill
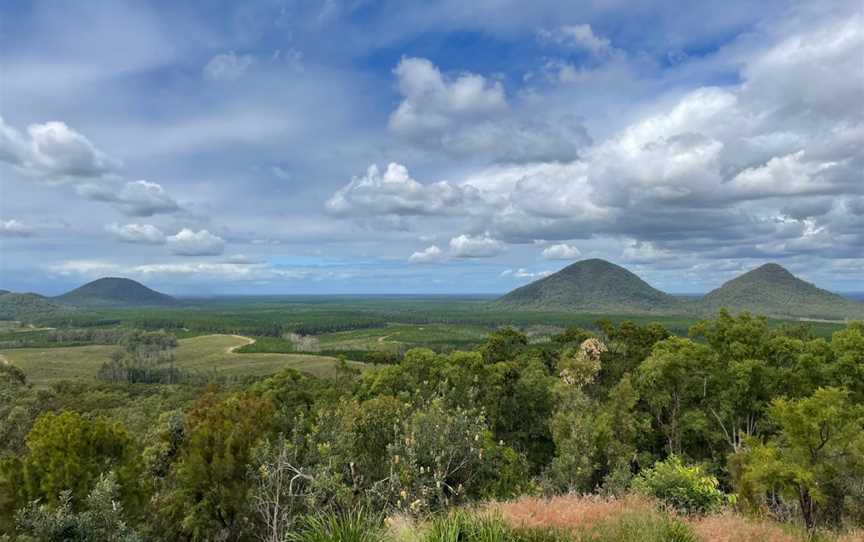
x=591, y=286
x=112, y=291
x=774, y=291
x=14, y=306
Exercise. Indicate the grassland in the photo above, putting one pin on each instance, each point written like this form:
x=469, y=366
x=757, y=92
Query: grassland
x=204, y=355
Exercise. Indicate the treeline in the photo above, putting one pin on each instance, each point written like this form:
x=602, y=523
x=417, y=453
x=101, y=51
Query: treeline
x=739, y=414
x=144, y=358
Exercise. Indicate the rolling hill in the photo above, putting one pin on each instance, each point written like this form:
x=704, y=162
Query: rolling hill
x=15, y=306
x=591, y=286
x=114, y=292
x=774, y=291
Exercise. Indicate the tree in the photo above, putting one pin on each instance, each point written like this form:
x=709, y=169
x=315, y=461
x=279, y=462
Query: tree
x=672, y=382
x=68, y=452
x=503, y=345
x=816, y=458
x=209, y=497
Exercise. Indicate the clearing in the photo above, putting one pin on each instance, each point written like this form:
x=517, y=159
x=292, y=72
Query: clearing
x=202, y=355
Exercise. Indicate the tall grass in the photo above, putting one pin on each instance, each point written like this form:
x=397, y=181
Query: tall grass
x=359, y=525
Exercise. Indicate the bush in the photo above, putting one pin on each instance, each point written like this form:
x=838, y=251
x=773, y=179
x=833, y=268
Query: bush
x=687, y=488
x=353, y=526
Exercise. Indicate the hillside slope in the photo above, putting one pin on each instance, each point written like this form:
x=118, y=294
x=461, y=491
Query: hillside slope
x=592, y=286
x=774, y=291
x=15, y=306
x=112, y=291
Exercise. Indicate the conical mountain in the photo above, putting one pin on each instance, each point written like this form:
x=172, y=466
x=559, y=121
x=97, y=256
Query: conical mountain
x=774, y=291
x=113, y=291
x=590, y=286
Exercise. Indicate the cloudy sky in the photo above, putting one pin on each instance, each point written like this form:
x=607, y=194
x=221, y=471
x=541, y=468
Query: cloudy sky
x=362, y=146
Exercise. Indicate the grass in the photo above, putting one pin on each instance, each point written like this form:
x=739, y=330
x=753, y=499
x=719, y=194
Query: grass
x=203, y=355
x=409, y=335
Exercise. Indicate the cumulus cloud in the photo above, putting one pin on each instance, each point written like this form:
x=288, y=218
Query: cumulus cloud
x=135, y=198
x=146, y=234
x=482, y=246
x=190, y=243
x=53, y=150
x=14, y=228
x=227, y=66
x=395, y=193
x=561, y=251
x=431, y=254
x=469, y=115
x=432, y=102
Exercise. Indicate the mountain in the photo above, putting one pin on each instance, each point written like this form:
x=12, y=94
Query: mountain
x=774, y=291
x=112, y=291
x=591, y=286
x=15, y=306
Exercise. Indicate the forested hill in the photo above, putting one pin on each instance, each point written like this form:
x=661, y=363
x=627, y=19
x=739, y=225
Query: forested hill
x=592, y=286
x=772, y=290
x=112, y=291
x=15, y=306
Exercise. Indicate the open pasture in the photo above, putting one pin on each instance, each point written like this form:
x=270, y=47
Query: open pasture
x=204, y=355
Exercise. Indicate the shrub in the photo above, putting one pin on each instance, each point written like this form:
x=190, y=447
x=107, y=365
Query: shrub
x=687, y=488
x=357, y=525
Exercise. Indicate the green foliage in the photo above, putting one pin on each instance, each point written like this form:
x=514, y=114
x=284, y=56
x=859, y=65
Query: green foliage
x=687, y=488
x=207, y=494
x=816, y=459
x=443, y=458
x=503, y=345
x=462, y=526
x=639, y=526
x=358, y=525
x=68, y=452
x=102, y=520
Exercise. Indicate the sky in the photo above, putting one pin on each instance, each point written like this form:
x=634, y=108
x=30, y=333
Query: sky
x=383, y=146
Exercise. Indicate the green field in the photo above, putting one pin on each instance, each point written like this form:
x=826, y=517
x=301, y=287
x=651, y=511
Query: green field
x=205, y=355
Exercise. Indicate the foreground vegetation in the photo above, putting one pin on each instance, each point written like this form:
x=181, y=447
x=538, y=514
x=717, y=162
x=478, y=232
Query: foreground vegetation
x=740, y=427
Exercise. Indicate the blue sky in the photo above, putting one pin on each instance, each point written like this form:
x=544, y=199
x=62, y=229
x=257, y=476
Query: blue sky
x=444, y=147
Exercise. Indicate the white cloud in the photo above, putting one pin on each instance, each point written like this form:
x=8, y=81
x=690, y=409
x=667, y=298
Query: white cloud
x=432, y=101
x=135, y=198
x=469, y=115
x=431, y=254
x=395, y=193
x=190, y=243
x=53, y=150
x=524, y=274
x=580, y=36
x=14, y=228
x=137, y=233
x=561, y=252
x=227, y=66
x=483, y=246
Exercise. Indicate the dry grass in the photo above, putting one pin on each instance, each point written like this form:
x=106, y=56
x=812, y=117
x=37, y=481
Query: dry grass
x=582, y=513
x=730, y=527
x=855, y=536
x=571, y=512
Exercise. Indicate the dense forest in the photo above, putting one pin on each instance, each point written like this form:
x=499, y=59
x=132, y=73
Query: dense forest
x=765, y=420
